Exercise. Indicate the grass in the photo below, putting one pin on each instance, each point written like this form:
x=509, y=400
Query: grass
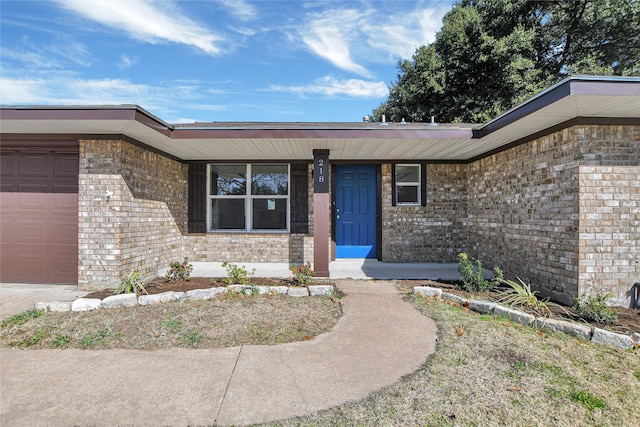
x=486, y=370
x=489, y=371
x=231, y=320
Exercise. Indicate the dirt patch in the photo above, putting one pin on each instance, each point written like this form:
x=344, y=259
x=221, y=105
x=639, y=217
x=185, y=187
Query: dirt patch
x=628, y=319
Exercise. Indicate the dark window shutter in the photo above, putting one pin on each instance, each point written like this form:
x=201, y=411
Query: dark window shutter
x=393, y=184
x=197, y=198
x=299, y=198
x=423, y=184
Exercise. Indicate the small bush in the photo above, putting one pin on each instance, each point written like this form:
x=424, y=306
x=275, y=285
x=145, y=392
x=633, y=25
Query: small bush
x=179, y=270
x=595, y=308
x=472, y=277
x=237, y=275
x=302, y=274
x=132, y=284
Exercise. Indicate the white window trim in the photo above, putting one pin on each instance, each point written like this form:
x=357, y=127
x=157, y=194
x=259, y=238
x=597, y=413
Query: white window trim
x=248, y=198
x=417, y=184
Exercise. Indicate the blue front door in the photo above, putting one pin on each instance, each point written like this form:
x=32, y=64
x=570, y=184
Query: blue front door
x=355, y=211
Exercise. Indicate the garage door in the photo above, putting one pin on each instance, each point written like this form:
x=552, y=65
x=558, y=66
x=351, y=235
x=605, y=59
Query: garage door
x=39, y=213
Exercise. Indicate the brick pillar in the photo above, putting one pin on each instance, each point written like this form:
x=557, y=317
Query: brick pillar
x=321, y=212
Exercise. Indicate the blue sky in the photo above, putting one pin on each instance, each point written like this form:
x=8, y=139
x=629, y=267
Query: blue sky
x=226, y=60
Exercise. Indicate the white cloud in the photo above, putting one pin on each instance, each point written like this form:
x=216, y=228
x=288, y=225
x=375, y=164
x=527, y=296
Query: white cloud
x=330, y=86
x=331, y=34
x=399, y=36
x=63, y=89
x=350, y=38
x=240, y=9
x=127, y=62
x=147, y=20
x=22, y=91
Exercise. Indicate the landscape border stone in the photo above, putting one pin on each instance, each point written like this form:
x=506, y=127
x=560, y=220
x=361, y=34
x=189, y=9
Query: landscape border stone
x=54, y=306
x=586, y=332
x=131, y=300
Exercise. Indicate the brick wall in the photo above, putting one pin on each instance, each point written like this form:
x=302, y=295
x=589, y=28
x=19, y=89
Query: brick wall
x=436, y=232
x=562, y=211
x=609, y=230
x=132, y=206
x=523, y=212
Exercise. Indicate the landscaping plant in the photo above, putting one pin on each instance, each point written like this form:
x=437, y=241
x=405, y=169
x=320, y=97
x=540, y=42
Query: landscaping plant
x=472, y=277
x=133, y=283
x=595, y=308
x=520, y=295
x=179, y=270
x=302, y=274
x=237, y=275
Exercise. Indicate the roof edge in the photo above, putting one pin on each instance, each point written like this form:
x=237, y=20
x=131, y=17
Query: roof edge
x=566, y=87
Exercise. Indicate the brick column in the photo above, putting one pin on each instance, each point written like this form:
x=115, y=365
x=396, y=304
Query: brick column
x=322, y=211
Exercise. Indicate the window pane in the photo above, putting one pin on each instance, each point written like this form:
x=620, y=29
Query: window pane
x=269, y=180
x=227, y=214
x=405, y=173
x=229, y=180
x=407, y=194
x=269, y=214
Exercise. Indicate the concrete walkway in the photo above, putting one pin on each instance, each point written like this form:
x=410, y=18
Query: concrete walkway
x=379, y=339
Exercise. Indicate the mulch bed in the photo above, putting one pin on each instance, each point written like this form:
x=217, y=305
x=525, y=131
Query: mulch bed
x=628, y=319
x=160, y=284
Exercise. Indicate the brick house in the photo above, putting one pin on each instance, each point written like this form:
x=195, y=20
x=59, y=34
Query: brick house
x=549, y=191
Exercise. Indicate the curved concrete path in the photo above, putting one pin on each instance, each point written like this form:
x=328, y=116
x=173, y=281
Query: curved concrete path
x=379, y=339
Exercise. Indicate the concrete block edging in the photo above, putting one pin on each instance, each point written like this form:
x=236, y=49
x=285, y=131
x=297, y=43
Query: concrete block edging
x=126, y=300
x=580, y=330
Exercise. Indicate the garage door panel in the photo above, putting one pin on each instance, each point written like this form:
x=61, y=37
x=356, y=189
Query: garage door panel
x=66, y=203
x=66, y=165
x=32, y=231
x=64, y=233
x=27, y=263
x=39, y=216
x=61, y=265
x=34, y=165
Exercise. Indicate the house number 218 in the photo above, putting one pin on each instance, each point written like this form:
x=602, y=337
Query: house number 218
x=321, y=181
x=321, y=175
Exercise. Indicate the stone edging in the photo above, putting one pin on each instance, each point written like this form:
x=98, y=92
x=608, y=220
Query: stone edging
x=586, y=332
x=132, y=300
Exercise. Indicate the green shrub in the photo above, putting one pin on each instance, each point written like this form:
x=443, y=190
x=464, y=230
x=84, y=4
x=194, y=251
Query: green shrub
x=595, y=308
x=132, y=284
x=179, y=270
x=237, y=275
x=472, y=277
x=302, y=274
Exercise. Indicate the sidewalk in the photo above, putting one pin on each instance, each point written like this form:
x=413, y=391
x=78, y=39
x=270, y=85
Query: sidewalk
x=379, y=339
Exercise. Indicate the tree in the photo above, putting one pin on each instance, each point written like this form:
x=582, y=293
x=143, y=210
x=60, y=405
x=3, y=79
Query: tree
x=491, y=55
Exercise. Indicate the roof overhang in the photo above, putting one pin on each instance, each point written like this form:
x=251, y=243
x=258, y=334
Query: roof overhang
x=601, y=99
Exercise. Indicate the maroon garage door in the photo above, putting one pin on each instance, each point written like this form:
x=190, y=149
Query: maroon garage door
x=39, y=212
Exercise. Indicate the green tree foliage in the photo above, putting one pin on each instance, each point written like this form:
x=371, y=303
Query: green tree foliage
x=491, y=55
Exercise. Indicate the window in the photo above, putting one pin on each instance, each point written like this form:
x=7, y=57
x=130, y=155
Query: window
x=253, y=197
x=407, y=189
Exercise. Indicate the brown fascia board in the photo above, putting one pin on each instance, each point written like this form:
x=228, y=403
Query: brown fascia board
x=221, y=133
x=574, y=85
